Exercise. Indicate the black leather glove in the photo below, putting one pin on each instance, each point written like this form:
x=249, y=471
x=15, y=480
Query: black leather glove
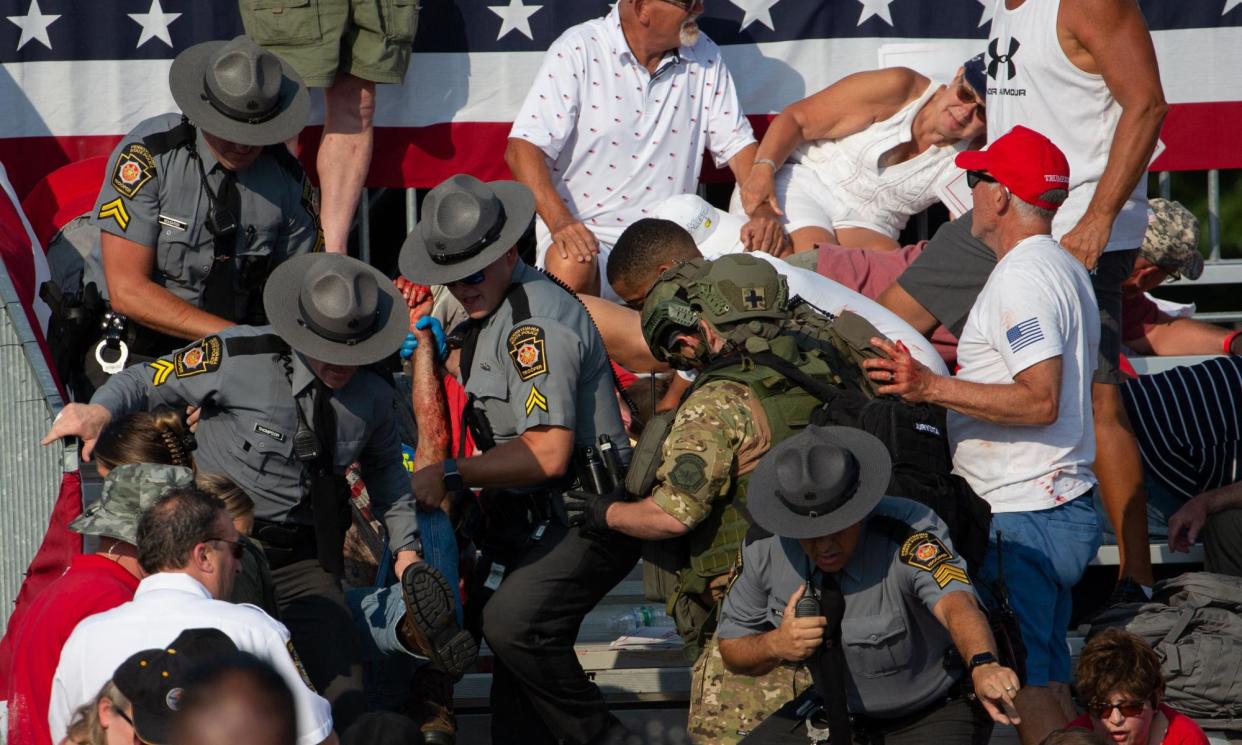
x=588, y=510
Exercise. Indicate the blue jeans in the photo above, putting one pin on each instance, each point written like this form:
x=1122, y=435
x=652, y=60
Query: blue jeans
x=1161, y=504
x=1045, y=553
x=378, y=610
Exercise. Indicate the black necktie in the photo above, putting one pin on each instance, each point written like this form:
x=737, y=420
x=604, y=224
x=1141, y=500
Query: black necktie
x=828, y=665
x=328, y=503
x=219, y=296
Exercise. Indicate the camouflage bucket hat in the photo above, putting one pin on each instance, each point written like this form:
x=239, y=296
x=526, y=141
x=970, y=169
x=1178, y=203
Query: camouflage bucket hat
x=127, y=491
x=1172, y=239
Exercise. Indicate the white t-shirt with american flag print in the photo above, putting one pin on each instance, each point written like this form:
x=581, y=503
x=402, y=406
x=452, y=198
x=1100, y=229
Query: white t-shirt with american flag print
x=1037, y=304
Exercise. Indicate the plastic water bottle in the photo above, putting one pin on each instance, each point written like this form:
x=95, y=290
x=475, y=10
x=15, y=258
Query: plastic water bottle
x=639, y=616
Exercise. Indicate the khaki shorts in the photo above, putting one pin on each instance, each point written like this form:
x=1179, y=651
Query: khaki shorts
x=369, y=39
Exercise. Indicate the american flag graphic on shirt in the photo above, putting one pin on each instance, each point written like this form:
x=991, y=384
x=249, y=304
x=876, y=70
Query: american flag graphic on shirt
x=1024, y=334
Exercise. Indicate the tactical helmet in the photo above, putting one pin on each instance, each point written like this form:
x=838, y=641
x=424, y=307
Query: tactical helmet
x=729, y=290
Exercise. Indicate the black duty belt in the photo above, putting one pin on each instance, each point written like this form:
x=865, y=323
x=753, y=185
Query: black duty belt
x=868, y=727
x=285, y=543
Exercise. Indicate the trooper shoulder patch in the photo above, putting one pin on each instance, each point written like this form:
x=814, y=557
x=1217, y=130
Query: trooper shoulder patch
x=297, y=662
x=203, y=357
x=527, y=348
x=134, y=168
x=927, y=552
x=689, y=472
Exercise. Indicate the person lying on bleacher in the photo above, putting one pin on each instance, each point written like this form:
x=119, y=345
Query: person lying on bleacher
x=1120, y=682
x=1170, y=250
x=1189, y=434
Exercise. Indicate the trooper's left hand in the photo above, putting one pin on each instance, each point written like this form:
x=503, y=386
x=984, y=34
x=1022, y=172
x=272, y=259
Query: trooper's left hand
x=427, y=483
x=403, y=560
x=996, y=687
x=589, y=511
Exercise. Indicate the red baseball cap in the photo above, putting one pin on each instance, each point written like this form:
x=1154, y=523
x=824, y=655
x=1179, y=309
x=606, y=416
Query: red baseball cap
x=1024, y=161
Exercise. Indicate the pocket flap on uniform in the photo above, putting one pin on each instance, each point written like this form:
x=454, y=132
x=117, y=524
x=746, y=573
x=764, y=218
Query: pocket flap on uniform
x=266, y=438
x=872, y=631
x=277, y=4
x=489, y=384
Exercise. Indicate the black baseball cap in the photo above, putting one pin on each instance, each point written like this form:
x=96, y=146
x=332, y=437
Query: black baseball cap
x=154, y=679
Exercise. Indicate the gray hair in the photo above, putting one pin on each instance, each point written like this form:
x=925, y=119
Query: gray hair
x=1026, y=209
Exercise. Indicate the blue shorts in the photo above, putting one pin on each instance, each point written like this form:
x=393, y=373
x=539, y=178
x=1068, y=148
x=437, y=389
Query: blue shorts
x=1045, y=553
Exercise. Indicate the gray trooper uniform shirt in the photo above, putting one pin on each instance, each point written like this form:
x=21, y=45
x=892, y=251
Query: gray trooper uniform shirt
x=894, y=646
x=249, y=420
x=158, y=200
x=549, y=369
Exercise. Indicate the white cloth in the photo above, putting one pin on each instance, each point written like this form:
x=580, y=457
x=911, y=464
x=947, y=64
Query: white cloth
x=1037, y=304
x=164, y=605
x=618, y=139
x=841, y=183
x=1037, y=86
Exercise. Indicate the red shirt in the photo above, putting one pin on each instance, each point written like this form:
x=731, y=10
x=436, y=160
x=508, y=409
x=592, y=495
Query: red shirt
x=1138, y=314
x=92, y=584
x=1182, y=729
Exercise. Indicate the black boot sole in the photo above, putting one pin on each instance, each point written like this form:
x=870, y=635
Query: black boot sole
x=429, y=605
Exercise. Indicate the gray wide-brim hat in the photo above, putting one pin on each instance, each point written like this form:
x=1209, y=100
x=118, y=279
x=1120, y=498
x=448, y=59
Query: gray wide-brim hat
x=240, y=92
x=818, y=482
x=336, y=309
x=128, y=491
x=467, y=224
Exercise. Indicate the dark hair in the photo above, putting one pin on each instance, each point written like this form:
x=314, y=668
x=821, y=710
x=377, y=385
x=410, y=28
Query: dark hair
x=159, y=436
x=242, y=681
x=234, y=498
x=170, y=529
x=1073, y=736
x=645, y=245
x=1116, y=660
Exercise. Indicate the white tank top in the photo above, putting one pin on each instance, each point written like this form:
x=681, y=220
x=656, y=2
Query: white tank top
x=881, y=198
x=1031, y=82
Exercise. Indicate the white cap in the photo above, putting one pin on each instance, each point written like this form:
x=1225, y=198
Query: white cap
x=716, y=233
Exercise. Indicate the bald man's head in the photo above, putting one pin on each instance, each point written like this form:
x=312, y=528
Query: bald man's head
x=236, y=700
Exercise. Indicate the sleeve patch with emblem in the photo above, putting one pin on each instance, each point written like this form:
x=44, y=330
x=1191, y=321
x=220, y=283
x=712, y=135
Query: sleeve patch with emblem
x=116, y=210
x=526, y=347
x=203, y=357
x=297, y=662
x=689, y=472
x=134, y=168
x=536, y=400
x=927, y=552
x=310, y=203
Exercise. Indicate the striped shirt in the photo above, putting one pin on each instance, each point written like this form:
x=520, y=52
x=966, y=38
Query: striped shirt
x=1188, y=424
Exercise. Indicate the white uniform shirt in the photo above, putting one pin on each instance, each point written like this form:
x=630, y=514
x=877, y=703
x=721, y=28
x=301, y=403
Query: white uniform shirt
x=618, y=139
x=1037, y=304
x=164, y=605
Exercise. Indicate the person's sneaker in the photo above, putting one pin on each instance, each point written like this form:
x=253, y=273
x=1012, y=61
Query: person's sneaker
x=1128, y=590
x=429, y=627
x=431, y=706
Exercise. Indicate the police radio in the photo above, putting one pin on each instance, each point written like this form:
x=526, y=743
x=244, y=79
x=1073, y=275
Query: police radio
x=808, y=606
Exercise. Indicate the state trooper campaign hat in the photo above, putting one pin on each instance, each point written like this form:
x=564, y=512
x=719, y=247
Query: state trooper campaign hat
x=1172, y=239
x=467, y=224
x=818, y=482
x=335, y=309
x=154, y=679
x=240, y=92
x=128, y=491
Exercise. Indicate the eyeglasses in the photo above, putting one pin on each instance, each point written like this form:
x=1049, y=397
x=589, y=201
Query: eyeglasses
x=967, y=95
x=683, y=4
x=1101, y=710
x=974, y=177
x=119, y=712
x=473, y=279
x=235, y=547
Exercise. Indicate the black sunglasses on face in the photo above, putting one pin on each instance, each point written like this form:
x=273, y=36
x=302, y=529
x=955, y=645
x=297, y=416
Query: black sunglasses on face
x=235, y=547
x=473, y=279
x=1101, y=710
x=974, y=177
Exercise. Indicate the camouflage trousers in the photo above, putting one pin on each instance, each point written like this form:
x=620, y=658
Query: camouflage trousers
x=724, y=707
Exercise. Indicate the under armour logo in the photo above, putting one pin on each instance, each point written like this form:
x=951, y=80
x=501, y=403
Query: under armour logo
x=999, y=59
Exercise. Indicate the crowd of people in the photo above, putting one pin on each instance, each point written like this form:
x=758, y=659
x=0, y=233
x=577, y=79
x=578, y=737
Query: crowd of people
x=864, y=478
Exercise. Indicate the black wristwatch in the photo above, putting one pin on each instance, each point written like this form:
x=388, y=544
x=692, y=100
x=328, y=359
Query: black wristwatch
x=453, y=481
x=983, y=658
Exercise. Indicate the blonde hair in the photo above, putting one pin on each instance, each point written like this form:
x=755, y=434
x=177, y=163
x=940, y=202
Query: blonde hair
x=85, y=728
x=236, y=500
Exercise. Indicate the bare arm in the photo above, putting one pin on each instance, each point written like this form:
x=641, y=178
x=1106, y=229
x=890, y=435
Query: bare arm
x=621, y=329
x=1175, y=336
x=1110, y=38
x=127, y=266
x=530, y=166
x=644, y=519
x=1187, y=523
x=795, y=640
x=995, y=685
x=1031, y=399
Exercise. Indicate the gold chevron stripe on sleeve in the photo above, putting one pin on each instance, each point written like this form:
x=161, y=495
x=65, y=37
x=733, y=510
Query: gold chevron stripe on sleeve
x=116, y=210
x=946, y=573
x=163, y=368
x=535, y=400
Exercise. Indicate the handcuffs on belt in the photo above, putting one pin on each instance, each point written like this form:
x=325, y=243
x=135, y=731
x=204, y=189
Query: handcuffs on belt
x=113, y=326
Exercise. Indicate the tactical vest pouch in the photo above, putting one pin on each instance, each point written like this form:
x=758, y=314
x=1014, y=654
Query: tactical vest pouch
x=661, y=562
x=856, y=332
x=694, y=619
x=645, y=460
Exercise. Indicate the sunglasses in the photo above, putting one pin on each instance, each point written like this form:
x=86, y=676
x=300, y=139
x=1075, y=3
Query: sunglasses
x=974, y=177
x=683, y=4
x=235, y=547
x=1127, y=709
x=473, y=279
x=117, y=710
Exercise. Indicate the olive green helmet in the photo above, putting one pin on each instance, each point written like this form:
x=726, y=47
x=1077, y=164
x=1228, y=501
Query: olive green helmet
x=729, y=290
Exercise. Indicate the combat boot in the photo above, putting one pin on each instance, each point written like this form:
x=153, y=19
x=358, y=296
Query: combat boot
x=429, y=626
x=431, y=706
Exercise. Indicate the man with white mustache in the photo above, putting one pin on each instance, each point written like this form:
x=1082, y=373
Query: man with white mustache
x=616, y=122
